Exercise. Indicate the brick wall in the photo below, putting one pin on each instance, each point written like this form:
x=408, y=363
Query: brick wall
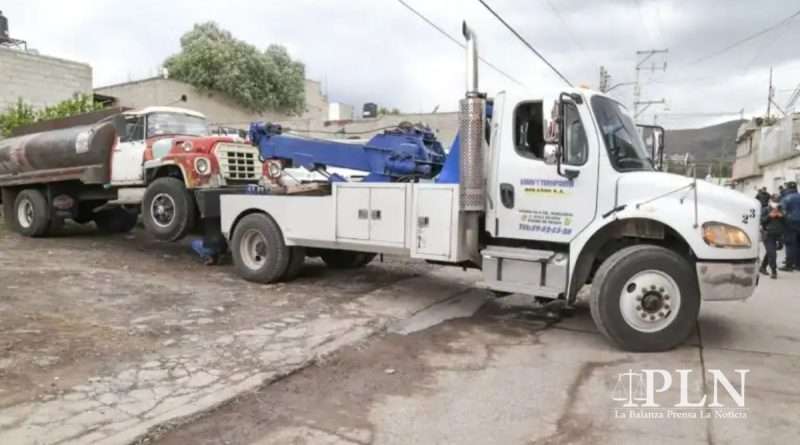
x=40, y=80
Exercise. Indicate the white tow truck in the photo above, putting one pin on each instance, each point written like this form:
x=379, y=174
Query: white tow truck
x=537, y=216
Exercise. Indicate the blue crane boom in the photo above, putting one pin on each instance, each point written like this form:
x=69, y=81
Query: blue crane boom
x=404, y=153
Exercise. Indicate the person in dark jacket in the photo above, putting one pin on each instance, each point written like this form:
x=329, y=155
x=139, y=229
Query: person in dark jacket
x=763, y=197
x=790, y=204
x=772, y=226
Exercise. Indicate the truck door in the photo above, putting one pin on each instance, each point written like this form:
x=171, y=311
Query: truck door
x=128, y=156
x=532, y=200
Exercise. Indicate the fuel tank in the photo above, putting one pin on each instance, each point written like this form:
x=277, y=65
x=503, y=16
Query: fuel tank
x=82, y=152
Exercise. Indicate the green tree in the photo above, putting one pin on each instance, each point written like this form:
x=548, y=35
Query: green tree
x=21, y=114
x=212, y=59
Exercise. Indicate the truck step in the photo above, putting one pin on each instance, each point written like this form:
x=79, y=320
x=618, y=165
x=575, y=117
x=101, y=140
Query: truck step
x=542, y=273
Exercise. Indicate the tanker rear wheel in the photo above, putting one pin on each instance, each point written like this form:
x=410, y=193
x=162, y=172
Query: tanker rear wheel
x=31, y=216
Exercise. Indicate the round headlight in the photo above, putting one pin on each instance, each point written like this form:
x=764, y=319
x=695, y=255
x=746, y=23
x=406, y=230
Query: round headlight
x=274, y=170
x=187, y=146
x=202, y=166
x=726, y=236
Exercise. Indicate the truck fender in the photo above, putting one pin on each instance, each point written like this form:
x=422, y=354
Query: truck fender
x=608, y=236
x=153, y=168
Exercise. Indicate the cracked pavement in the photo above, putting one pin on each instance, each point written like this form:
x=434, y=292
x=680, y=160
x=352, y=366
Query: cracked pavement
x=106, y=339
x=126, y=340
x=513, y=376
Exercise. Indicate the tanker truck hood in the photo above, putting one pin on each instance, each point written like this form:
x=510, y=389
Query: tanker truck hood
x=673, y=200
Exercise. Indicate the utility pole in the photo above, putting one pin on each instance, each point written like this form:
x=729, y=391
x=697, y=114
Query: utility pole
x=770, y=93
x=604, y=78
x=642, y=57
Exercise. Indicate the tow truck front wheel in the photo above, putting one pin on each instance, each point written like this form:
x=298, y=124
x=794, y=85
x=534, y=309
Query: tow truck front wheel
x=645, y=298
x=168, y=209
x=259, y=253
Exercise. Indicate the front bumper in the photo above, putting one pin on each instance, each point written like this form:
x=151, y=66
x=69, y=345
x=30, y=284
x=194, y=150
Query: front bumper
x=720, y=281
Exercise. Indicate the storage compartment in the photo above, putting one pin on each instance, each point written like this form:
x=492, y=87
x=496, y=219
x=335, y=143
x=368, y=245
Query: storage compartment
x=372, y=212
x=435, y=220
x=387, y=215
x=352, y=213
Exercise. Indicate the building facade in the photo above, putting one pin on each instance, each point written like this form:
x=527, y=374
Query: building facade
x=767, y=155
x=39, y=80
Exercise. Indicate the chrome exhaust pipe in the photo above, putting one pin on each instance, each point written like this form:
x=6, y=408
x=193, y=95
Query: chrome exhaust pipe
x=472, y=187
x=472, y=59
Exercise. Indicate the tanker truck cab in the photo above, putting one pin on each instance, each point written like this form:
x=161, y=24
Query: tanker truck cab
x=140, y=130
x=151, y=161
x=543, y=204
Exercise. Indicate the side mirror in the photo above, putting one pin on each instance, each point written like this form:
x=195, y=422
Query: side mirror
x=653, y=137
x=561, y=128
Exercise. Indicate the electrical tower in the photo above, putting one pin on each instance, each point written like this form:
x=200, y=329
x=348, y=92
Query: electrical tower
x=643, y=56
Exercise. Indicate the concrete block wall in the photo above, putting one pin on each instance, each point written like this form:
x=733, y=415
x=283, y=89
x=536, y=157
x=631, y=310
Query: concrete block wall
x=218, y=108
x=40, y=80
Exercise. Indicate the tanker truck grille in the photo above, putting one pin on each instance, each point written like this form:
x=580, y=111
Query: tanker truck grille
x=239, y=162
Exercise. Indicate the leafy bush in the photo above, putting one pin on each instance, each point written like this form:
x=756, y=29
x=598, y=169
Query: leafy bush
x=21, y=114
x=212, y=59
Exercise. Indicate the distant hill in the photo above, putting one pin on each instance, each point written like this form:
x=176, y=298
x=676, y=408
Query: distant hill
x=717, y=142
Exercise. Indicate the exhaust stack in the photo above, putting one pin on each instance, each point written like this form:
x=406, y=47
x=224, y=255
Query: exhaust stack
x=471, y=166
x=472, y=59
x=471, y=130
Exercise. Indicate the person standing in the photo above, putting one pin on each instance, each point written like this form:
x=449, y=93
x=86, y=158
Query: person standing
x=772, y=226
x=790, y=203
x=763, y=197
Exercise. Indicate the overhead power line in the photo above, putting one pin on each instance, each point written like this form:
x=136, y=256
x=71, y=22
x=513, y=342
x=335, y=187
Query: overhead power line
x=525, y=42
x=747, y=39
x=458, y=42
x=566, y=27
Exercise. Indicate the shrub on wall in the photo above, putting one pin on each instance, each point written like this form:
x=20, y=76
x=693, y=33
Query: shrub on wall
x=21, y=113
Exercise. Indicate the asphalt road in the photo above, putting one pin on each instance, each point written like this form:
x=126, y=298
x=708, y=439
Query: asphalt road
x=513, y=376
x=123, y=339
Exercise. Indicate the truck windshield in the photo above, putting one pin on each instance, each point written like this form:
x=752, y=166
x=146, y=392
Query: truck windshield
x=175, y=123
x=624, y=144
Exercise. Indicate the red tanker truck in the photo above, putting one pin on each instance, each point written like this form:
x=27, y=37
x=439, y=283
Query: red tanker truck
x=150, y=161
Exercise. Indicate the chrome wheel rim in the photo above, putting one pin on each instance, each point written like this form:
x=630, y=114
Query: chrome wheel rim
x=25, y=213
x=162, y=210
x=253, y=248
x=650, y=301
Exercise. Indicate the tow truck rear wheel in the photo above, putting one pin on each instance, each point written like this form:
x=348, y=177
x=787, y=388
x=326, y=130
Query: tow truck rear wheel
x=346, y=259
x=31, y=213
x=645, y=298
x=168, y=209
x=259, y=253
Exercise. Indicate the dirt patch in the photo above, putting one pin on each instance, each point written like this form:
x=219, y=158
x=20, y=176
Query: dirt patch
x=76, y=305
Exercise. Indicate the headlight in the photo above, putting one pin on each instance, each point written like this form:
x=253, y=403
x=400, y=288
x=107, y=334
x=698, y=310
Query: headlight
x=202, y=166
x=726, y=236
x=187, y=146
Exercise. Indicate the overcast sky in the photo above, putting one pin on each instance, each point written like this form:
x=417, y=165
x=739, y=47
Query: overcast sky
x=376, y=50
